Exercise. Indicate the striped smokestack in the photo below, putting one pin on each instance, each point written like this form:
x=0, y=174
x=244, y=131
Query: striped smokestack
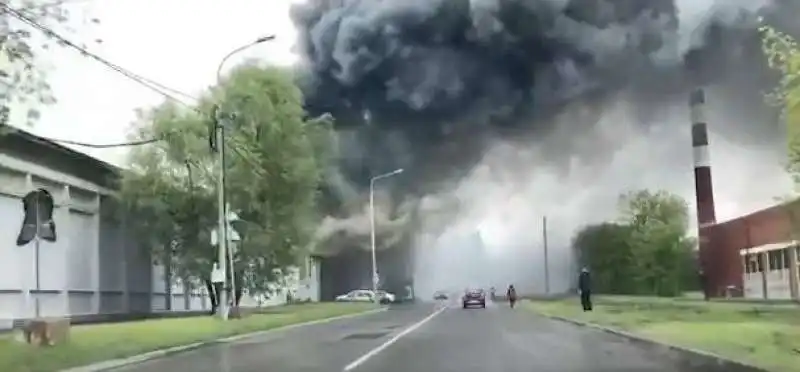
x=702, y=164
x=708, y=275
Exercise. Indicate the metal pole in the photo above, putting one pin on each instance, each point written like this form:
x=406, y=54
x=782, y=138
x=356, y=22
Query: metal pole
x=372, y=240
x=221, y=228
x=233, y=273
x=546, y=257
x=220, y=134
x=372, y=228
x=37, y=256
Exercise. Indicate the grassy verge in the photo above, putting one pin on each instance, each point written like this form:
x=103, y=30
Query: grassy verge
x=94, y=343
x=765, y=335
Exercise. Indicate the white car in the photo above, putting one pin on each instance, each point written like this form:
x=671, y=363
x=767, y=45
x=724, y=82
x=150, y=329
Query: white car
x=386, y=297
x=359, y=295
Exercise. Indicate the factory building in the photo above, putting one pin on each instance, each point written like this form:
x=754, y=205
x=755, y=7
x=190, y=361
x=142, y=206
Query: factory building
x=90, y=266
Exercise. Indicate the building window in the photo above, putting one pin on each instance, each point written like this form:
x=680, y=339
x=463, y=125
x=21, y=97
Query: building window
x=776, y=259
x=752, y=263
x=786, y=257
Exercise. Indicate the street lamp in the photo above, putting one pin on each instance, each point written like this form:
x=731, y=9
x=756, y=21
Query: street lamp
x=220, y=118
x=260, y=40
x=372, y=228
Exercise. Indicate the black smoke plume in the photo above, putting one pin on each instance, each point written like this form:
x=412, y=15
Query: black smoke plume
x=432, y=85
x=433, y=72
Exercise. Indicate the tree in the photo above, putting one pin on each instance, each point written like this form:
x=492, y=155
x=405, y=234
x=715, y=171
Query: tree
x=658, y=222
x=23, y=76
x=273, y=176
x=606, y=249
x=646, y=251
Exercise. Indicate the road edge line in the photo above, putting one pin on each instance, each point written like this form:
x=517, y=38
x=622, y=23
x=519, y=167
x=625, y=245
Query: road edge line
x=695, y=355
x=377, y=350
x=112, y=364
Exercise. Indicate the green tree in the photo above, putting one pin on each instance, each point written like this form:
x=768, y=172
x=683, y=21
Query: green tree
x=646, y=251
x=659, y=222
x=23, y=73
x=605, y=248
x=273, y=176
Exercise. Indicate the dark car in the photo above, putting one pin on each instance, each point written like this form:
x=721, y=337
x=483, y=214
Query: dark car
x=440, y=295
x=474, y=297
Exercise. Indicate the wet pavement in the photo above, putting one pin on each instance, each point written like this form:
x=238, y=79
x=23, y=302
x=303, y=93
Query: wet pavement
x=496, y=339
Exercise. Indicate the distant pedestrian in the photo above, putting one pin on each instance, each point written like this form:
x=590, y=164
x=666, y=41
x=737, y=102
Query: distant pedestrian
x=585, y=288
x=511, y=294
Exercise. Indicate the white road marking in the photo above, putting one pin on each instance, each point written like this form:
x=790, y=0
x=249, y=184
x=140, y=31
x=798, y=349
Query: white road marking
x=362, y=359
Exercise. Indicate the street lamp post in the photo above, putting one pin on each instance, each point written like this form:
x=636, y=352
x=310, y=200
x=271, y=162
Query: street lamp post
x=372, y=228
x=221, y=119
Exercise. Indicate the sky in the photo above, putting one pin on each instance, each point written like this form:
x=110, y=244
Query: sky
x=177, y=43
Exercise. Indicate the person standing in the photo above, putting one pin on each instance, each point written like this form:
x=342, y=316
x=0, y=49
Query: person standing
x=585, y=288
x=511, y=294
x=217, y=282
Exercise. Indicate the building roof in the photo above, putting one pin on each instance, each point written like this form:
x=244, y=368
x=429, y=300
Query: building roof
x=31, y=143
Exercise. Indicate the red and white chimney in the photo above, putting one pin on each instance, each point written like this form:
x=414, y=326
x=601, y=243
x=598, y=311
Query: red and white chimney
x=704, y=194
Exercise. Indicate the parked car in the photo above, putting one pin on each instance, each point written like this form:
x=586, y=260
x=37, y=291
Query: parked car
x=358, y=295
x=386, y=297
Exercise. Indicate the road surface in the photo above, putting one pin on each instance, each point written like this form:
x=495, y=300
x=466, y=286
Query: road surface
x=431, y=338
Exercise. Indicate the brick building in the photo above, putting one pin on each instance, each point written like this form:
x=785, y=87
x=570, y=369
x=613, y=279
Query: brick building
x=762, y=240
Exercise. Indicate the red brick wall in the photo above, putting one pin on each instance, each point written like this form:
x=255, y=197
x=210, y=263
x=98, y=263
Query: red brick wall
x=721, y=260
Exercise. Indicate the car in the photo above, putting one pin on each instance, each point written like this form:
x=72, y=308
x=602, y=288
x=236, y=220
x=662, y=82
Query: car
x=440, y=295
x=472, y=297
x=386, y=297
x=358, y=295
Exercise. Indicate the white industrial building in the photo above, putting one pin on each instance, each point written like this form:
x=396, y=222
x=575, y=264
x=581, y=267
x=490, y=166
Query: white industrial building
x=95, y=266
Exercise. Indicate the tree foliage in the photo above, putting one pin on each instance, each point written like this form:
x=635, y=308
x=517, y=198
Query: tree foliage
x=646, y=251
x=273, y=167
x=22, y=73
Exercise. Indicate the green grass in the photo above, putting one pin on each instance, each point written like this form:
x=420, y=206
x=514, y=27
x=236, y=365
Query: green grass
x=765, y=335
x=94, y=343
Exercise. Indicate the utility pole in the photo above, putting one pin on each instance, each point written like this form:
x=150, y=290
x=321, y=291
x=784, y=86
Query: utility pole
x=222, y=239
x=220, y=119
x=546, y=257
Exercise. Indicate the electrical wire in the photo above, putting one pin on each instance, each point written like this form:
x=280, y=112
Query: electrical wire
x=148, y=83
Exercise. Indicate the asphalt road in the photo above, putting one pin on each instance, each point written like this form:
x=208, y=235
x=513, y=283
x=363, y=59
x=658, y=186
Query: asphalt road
x=427, y=338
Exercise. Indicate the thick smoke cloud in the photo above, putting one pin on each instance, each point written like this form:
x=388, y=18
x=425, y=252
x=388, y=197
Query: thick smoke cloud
x=504, y=110
x=430, y=71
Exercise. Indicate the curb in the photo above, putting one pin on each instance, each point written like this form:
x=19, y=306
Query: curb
x=693, y=357
x=124, y=362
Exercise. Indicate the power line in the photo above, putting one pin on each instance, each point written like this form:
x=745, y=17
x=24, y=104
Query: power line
x=148, y=83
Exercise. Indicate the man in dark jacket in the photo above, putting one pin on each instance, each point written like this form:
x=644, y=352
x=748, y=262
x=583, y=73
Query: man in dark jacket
x=585, y=288
x=511, y=295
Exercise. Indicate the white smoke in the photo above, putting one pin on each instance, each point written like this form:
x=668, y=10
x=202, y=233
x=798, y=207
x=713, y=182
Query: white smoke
x=507, y=195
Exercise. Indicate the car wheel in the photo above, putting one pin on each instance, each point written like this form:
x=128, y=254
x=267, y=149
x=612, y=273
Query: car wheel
x=465, y=306
x=483, y=305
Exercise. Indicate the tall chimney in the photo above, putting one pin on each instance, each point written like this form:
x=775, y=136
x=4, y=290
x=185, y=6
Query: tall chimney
x=704, y=193
x=702, y=162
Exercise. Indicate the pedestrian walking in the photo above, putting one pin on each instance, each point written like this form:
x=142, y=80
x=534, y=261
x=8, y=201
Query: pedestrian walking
x=511, y=294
